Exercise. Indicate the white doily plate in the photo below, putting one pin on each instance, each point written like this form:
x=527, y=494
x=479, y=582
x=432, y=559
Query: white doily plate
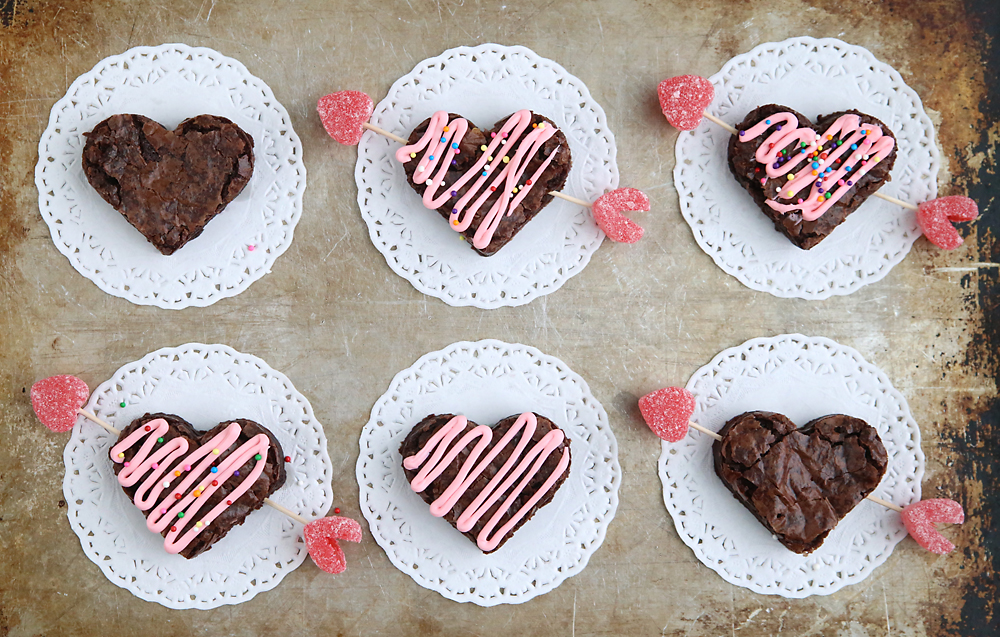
x=489, y=380
x=814, y=77
x=485, y=84
x=804, y=378
x=205, y=385
x=170, y=83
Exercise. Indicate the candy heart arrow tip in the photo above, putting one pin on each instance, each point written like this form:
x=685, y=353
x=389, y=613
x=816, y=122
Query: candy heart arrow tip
x=344, y=114
x=683, y=100
x=56, y=400
x=668, y=412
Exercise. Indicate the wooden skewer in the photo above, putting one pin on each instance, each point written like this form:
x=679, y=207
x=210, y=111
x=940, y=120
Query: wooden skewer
x=898, y=202
x=556, y=193
x=873, y=498
x=295, y=516
x=733, y=131
x=268, y=501
x=707, y=432
x=375, y=129
x=713, y=118
x=397, y=138
x=93, y=418
x=885, y=503
x=972, y=267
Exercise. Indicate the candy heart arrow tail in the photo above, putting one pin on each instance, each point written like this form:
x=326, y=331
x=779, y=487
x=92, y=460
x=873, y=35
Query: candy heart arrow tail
x=55, y=398
x=345, y=116
x=667, y=412
x=321, y=540
x=685, y=98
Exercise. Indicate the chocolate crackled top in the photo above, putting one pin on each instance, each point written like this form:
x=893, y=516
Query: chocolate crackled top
x=859, y=173
x=270, y=479
x=168, y=184
x=552, y=156
x=799, y=483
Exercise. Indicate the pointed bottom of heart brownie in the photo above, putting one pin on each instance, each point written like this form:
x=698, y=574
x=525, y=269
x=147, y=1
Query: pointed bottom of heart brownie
x=269, y=481
x=799, y=483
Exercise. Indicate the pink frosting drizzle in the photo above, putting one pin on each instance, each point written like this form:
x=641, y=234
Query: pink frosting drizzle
x=155, y=491
x=510, y=480
x=872, y=147
x=442, y=145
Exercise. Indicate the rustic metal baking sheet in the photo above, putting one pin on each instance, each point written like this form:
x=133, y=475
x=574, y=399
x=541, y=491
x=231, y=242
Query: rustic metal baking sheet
x=339, y=323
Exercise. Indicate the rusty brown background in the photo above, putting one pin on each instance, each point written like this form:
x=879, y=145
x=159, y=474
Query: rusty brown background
x=637, y=318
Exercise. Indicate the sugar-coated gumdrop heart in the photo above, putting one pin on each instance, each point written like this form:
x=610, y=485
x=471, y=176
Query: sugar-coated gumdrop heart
x=919, y=519
x=321, y=541
x=608, y=214
x=56, y=399
x=667, y=412
x=684, y=99
x=343, y=114
x=935, y=218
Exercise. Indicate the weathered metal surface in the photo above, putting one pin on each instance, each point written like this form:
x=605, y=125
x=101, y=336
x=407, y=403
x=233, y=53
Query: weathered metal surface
x=638, y=318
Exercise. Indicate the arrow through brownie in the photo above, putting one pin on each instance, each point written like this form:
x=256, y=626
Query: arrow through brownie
x=808, y=183
x=195, y=486
x=485, y=481
x=168, y=184
x=799, y=482
x=488, y=184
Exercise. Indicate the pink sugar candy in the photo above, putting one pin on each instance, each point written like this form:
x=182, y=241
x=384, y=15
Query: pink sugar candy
x=667, y=412
x=919, y=519
x=343, y=113
x=321, y=541
x=935, y=218
x=608, y=214
x=55, y=400
x=684, y=99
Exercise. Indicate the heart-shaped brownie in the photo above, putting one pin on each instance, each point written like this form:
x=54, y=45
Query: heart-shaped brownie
x=486, y=481
x=487, y=183
x=194, y=486
x=799, y=482
x=805, y=181
x=168, y=184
